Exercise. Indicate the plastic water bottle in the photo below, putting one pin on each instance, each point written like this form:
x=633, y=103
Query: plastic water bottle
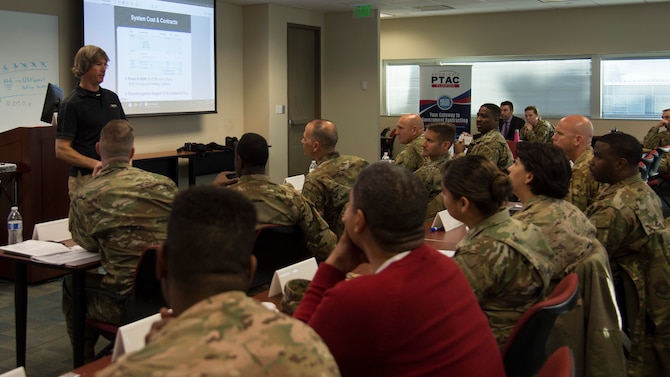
x=516, y=135
x=14, y=227
x=312, y=166
x=386, y=157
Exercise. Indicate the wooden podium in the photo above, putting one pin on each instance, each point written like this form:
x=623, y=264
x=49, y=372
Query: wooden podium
x=41, y=183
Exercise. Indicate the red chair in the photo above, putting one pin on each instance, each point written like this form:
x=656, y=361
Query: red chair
x=525, y=349
x=559, y=364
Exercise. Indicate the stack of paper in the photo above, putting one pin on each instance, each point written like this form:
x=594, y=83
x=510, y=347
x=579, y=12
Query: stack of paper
x=51, y=252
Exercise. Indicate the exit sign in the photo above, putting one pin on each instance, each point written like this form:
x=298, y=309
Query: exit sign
x=363, y=11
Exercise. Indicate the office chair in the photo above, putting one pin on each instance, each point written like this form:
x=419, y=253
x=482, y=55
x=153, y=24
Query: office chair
x=559, y=364
x=145, y=299
x=277, y=246
x=525, y=349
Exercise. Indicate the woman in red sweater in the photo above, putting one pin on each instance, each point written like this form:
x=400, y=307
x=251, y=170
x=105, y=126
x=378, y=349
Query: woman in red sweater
x=416, y=315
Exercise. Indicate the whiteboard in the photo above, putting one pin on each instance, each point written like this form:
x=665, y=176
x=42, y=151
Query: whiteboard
x=28, y=63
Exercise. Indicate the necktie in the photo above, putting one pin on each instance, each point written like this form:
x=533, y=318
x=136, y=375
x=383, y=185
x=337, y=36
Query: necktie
x=505, y=128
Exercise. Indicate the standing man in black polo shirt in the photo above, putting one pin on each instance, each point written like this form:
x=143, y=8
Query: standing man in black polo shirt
x=82, y=115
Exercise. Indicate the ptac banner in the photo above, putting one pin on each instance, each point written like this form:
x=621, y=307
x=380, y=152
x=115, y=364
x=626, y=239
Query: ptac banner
x=444, y=95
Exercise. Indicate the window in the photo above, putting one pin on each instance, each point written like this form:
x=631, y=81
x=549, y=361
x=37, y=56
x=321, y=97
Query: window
x=556, y=87
x=635, y=88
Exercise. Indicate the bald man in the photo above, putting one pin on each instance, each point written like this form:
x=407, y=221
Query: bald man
x=410, y=132
x=328, y=186
x=573, y=135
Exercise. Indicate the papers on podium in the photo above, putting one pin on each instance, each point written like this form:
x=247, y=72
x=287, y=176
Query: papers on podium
x=130, y=337
x=297, y=181
x=301, y=270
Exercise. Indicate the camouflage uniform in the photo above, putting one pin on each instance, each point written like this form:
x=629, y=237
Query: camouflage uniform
x=591, y=328
x=411, y=156
x=431, y=175
x=328, y=186
x=541, y=132
x=282, y=205
x=229, y=335
x=118, y=213
x=628, y=218
x=654, y=139
x=509, y=267
x=493, y=146
x=583, y=187
x=569, y=232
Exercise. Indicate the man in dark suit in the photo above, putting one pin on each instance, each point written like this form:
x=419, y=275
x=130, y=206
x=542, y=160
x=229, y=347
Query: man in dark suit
x=508, y=122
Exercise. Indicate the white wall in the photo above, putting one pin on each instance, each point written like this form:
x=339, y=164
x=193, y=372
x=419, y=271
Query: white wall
x=568, y=32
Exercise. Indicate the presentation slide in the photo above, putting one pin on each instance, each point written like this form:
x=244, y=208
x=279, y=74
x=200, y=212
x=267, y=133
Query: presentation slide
x=162, y=57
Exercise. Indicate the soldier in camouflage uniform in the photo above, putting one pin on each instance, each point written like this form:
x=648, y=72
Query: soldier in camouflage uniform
x=121, y=211
x=573, y=135
x=628, y=219
x=328, y=186
x=660, y=138
x=536, y=129
x=438, y=138
x=215, y=329
x=491, y=144
x=276, y=204
x=410, y=132
x=507, y=262
x=540, y=177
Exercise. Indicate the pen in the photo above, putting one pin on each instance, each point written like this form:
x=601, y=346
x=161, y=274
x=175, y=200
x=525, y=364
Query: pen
x=436, y=228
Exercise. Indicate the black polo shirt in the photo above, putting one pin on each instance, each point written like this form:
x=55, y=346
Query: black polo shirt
x=82, y=115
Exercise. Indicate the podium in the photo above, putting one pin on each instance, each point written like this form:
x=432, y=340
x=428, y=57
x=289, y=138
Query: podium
x=40, y=187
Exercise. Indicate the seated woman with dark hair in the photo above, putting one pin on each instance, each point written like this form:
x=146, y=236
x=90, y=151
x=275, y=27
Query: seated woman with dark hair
x=540, y=177
x=507, y=262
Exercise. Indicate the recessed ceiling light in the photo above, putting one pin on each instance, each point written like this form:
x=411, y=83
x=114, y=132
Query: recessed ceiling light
x=433, y=8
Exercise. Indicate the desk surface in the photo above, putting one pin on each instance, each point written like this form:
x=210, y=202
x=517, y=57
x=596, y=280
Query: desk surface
x=164, y=154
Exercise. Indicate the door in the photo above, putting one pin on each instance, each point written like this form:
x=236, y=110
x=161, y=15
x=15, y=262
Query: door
x=304, y=90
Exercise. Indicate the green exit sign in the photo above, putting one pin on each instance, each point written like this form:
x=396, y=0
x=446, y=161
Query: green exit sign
x=363, y=11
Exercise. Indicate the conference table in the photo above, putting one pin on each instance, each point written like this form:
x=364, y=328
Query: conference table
x=21, y=303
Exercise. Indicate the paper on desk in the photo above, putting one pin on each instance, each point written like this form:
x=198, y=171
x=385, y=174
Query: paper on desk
x=69, y=258
x=34, y=248
x=297, y=181
x=444, y=220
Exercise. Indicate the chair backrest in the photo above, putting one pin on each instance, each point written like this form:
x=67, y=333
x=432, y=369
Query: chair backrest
x=277, y=247
x=559, y=364
x=525, y=349
x=147, y=297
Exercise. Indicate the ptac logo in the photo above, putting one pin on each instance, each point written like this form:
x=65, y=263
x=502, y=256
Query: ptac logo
x=445, y=79
x=444, y=103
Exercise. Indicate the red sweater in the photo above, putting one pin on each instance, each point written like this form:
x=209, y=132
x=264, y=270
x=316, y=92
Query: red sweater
x=418, y=317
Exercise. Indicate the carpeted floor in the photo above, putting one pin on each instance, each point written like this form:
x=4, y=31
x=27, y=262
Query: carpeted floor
x=48, y=353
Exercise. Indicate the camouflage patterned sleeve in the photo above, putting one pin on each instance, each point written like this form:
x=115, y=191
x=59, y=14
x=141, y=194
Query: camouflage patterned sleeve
x=612, y=229
x=315, y=194
x=409, y=159
x=493, y=151
x=478, y=260
x=411, y=156
x=77, y=223
x=651, y=139
x=542, y=132
x=320, y=239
